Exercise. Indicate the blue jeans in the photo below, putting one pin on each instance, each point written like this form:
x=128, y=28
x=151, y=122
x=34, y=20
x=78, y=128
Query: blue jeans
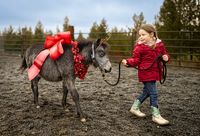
x=149, y=90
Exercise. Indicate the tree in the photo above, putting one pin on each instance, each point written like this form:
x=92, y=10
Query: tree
x=57, y=29
x=138, y=20
x=9, y=31
x=10, y=38
x=179, y=15
x=39, y=32
x=102, y=29
x=99, y=31
x=26, y=35
x=182, y=16
x=66, y=24
x=80, y=36
x=93, y=31
x=48, y=32
x=68, y=27
x=169, y=18
x=25, y=38
x=190, y=14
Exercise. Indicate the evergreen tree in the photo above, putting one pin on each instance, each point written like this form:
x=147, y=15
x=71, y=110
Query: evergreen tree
x=39, y=32
x=80, y=36
x=27, y=32
x=66, y=24
x=68, y=27
x=169, y=18
x=120, y=42
x=93, y=31
x=10, y=38
x=99, y=31
x=182, y=16
x=102, y=29
x=57, y=29
x=29, y=36
x=9, y=31
x=25, y=37
x=179, y=15
x=48, y=32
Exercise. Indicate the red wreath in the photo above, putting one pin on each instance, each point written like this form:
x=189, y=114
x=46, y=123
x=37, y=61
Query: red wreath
x=53, y=48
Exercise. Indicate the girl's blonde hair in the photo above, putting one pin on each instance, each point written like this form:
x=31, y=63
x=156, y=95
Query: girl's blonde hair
x=150, y=29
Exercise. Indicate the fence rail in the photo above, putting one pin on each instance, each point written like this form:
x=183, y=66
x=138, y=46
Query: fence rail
x=183, y=47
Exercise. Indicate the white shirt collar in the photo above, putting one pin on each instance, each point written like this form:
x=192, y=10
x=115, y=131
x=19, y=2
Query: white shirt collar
x=157, y=41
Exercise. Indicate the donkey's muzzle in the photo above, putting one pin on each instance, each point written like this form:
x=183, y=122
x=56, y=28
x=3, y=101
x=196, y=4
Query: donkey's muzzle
x=109, y=70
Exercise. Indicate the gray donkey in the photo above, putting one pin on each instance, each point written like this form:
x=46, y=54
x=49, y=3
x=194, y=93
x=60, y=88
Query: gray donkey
x=62, y=69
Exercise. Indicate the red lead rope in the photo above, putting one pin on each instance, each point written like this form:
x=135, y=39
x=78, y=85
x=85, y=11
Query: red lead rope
x=53, y=48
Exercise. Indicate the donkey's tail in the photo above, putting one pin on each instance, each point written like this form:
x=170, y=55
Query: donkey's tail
x=23, y=64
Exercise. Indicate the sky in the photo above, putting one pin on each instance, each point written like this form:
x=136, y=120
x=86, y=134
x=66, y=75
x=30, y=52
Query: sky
x=81, y=13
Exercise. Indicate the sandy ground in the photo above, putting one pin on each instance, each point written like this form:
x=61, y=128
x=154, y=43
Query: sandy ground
x=106, y=107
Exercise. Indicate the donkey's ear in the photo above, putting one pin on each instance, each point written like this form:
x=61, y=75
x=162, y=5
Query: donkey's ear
x=98, y=41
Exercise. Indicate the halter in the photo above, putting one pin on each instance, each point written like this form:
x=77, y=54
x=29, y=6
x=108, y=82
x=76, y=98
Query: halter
x=95, y=63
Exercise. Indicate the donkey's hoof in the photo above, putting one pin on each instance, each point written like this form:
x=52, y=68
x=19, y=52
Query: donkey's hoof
x=37, y=106
x=66, y=110
x=83, y=120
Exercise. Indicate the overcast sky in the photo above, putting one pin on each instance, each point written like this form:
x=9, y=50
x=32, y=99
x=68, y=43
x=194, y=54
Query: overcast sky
x=81, y=13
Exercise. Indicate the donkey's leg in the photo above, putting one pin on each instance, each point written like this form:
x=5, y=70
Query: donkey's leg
x=75, y=96
x=65, y=92
x=34, y=87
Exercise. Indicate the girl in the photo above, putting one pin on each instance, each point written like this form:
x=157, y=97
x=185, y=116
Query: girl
x=145, y=53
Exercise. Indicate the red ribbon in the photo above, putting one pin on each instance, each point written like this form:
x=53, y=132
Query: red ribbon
x=79, y=68
x=54, y=44
x=53, y=48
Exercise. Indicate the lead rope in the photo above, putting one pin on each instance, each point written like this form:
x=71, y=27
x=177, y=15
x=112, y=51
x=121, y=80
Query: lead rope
x=119, y=72
x=164, y=72
x=158, y=59
x=164, y=69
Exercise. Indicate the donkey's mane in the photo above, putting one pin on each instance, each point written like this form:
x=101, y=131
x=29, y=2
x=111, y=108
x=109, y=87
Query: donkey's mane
x=84, y=43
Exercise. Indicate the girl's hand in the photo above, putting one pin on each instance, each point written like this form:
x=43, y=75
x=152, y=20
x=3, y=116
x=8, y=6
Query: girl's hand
x=165, y=58
x=124, y=62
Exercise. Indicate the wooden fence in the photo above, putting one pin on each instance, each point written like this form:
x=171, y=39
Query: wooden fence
x=182, y=46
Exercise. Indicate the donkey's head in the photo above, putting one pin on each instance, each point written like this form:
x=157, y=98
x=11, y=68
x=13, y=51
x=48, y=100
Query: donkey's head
x=100, y=55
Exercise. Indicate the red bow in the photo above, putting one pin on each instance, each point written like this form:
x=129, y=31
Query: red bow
x=53, y=48
x=54, y=44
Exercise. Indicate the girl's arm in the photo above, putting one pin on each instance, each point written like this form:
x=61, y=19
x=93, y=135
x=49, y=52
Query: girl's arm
x=165, y=55
x=134, y=60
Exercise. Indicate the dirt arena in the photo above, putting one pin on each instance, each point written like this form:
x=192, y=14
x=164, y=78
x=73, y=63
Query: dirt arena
x=106, y=107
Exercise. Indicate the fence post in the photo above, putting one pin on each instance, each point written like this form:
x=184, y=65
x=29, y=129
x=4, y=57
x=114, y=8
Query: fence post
x=180, y=49
x=191, y=50
x=1, y=44
x=23, y=44
x=71, y=29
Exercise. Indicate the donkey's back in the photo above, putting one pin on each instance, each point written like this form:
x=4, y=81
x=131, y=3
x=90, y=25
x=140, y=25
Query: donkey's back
x=51, y=70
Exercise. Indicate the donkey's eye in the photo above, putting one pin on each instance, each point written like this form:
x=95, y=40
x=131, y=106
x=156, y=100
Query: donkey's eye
x=101, y=53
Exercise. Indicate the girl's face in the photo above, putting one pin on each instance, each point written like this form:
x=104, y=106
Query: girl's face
x=145, y=37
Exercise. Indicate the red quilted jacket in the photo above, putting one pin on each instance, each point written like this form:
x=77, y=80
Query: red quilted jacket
x=143, y=57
